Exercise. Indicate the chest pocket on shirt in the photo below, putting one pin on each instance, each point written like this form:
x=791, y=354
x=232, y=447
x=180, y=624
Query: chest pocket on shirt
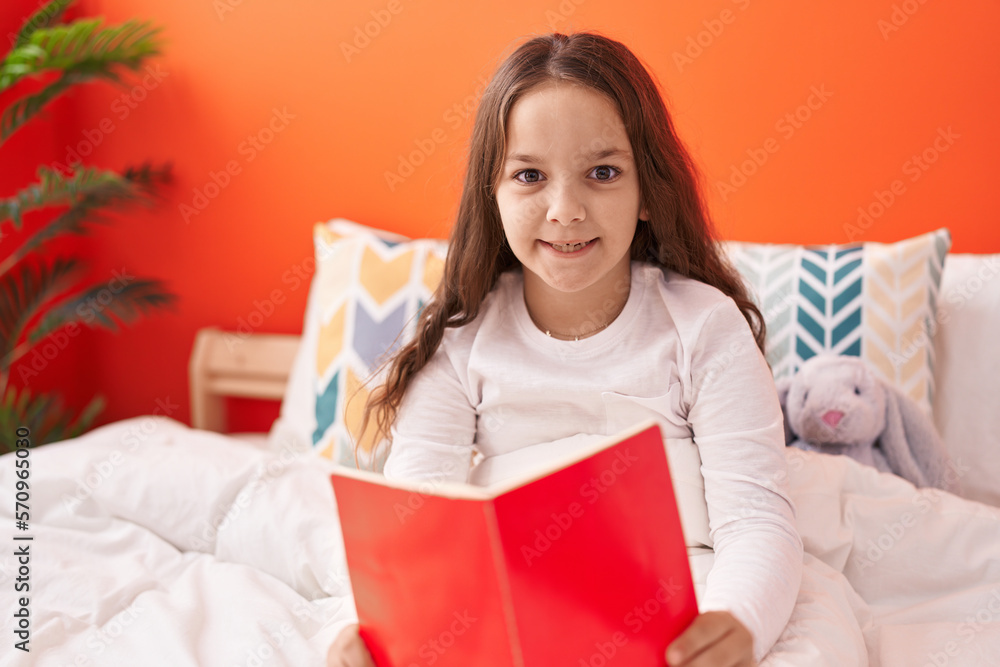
x=624, y=411
x=682, y=453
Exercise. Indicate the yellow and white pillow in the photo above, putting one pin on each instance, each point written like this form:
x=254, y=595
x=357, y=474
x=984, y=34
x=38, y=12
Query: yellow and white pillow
x=370, y=286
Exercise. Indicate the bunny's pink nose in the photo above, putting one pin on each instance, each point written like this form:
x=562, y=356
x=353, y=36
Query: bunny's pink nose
x=833, y=417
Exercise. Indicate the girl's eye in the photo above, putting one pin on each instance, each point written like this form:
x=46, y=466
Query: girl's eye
x=606, y=172
x=530, y=176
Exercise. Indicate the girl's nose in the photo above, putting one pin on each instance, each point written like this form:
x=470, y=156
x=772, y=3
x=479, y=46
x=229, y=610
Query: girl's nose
x=565, y=206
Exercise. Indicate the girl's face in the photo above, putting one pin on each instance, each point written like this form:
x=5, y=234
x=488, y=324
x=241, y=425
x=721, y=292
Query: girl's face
x=569, y=192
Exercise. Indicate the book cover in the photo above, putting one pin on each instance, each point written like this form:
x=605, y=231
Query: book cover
x=580, y=563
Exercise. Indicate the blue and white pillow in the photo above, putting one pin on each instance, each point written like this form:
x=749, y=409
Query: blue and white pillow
x=877, y=301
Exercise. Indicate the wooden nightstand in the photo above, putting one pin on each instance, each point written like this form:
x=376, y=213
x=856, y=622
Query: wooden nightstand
x=226, y=363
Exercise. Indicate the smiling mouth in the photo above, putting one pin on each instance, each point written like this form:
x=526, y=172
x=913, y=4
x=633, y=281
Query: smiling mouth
x=571, y=247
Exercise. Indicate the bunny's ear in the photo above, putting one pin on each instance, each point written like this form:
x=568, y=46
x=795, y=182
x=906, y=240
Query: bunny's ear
x=911, y=443
x=783, y=384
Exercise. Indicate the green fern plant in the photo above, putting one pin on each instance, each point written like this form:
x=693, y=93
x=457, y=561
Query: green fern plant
x=43, y=296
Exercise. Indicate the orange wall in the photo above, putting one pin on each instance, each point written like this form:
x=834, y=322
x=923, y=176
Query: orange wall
x=344, y=120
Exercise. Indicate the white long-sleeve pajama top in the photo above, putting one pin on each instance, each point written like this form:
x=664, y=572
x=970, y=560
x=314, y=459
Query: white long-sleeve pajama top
x=680, y=352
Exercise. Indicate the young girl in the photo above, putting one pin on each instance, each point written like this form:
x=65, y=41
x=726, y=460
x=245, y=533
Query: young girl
x=582, y=293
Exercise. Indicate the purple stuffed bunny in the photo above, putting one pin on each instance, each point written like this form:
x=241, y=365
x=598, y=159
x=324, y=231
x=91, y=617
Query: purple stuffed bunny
x=835, y=404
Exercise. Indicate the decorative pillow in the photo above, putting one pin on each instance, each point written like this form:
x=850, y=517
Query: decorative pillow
x=369, y=286
x=871, y=300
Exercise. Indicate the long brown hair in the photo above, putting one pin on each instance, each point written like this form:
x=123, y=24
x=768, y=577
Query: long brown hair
x=678, y=234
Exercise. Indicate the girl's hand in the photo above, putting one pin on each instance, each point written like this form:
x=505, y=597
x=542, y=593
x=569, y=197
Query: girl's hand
x=714, y=639
x=349, y=650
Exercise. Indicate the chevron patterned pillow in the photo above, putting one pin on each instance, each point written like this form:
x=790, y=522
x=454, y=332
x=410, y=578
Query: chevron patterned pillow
x=872, y=300
x=876, y=301
x=370, y=286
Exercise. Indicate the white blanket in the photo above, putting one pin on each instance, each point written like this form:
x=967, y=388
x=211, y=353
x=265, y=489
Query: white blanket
x=155, y=544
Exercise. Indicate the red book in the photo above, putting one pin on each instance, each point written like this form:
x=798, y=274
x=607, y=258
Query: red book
x=579, y=564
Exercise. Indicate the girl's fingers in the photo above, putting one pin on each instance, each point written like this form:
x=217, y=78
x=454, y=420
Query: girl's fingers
x=705, y=630
x=714, y=639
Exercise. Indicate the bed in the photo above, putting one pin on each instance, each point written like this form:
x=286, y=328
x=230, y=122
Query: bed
x=155, y=543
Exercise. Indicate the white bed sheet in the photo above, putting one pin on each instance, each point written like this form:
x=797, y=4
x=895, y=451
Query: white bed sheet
x=156, y=544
